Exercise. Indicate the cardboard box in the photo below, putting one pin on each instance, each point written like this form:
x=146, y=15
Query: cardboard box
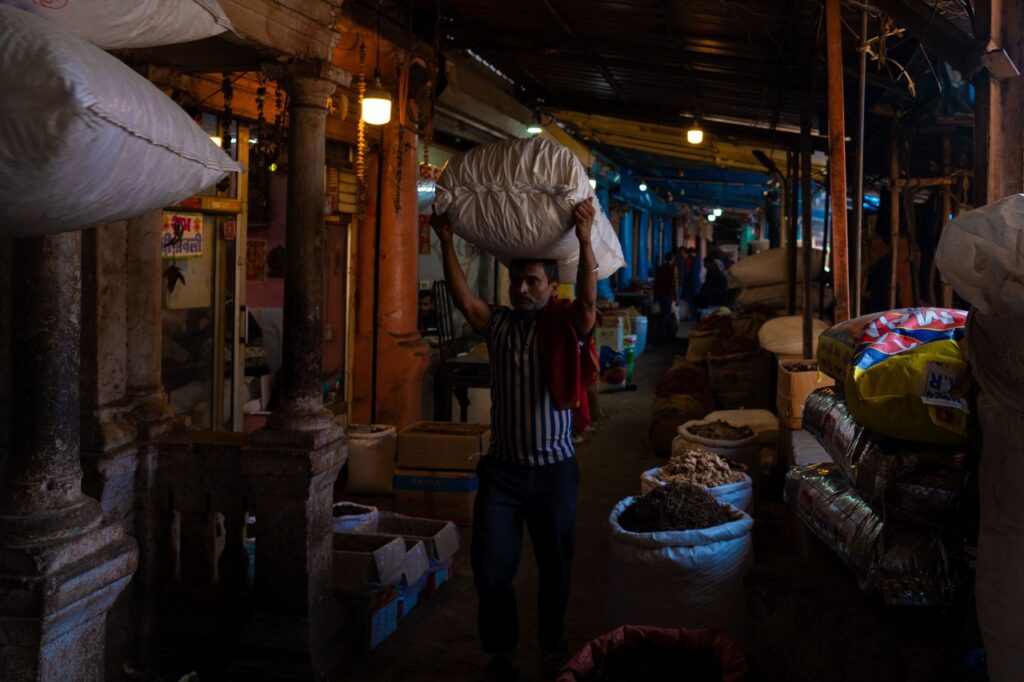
x=417, y=563
x=794, y=387
x=362, y=561
x=443, y=446
x=447, y=495
x=374, y=615
x=610, y=333
x=440, y=538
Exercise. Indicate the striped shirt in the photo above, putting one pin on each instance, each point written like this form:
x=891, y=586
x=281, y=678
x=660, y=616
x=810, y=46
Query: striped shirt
x=525, y=427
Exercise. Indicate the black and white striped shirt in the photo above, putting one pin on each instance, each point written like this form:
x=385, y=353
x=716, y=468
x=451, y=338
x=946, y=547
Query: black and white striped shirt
x=525, y=427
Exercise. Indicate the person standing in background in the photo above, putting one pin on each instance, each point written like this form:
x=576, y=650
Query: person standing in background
x=666, y=284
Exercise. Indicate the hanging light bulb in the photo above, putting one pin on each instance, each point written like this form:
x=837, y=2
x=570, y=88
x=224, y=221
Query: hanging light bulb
x=643, y=186
x=377, y=100
x=711, y=218
x=717, y=212
x=376, y=103
x=695, y=135
x=593, y=183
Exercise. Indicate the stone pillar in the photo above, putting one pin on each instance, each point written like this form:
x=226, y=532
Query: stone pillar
x=289, y=470
x=61, y=564
x=148, y=412
x=402, y=355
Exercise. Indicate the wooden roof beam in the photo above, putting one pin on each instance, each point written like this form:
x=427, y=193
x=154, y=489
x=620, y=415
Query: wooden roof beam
x=608, y=76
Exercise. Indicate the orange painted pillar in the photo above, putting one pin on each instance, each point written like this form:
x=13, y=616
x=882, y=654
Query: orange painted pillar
x=402, y=355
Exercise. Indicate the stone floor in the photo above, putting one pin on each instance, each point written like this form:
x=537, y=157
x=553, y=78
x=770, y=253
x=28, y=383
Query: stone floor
x=808, y=619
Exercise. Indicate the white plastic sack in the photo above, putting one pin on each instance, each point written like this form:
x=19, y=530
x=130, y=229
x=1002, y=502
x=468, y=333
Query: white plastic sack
x=690, y=579
x=84, y=140
x=350, y=517
x=980, y=255
x=785, y=335
x=996, y=355
x=739, y=494
x=114, y=24
x=769, y=267
x=514, y=199
x=371, y=459
x=764, y=423
x=745, y=451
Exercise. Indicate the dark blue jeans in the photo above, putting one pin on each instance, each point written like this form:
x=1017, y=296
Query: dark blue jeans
x=544, y=498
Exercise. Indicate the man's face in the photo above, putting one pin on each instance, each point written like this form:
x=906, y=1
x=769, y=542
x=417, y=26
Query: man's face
x=529, y=287
x=426, y=304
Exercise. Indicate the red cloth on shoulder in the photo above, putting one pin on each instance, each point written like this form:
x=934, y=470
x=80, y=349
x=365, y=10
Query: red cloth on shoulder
x=569, y=366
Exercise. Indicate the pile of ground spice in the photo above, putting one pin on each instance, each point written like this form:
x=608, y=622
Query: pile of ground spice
x=720, y=430
x=675, y=506
x=650, y=662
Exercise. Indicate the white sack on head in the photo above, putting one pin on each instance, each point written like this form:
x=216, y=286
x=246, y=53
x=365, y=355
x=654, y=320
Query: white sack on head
x=981, y=254
x=515, y=198
x=84, y=139
x=117, y=24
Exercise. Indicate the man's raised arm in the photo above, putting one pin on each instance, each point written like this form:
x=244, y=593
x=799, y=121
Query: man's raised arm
x=583, y=311
x=475, y=310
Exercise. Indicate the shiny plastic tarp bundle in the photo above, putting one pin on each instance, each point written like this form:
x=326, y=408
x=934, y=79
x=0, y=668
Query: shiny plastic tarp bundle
x=904, y=372
x=515, y=199
x=899, y=479
x=910, y=565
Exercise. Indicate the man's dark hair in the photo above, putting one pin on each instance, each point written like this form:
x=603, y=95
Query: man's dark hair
x=550, y=266
x=669, y=255
x=426, y=292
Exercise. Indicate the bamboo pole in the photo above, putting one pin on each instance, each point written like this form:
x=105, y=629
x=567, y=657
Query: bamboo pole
x=794, y=193
x=894, y=214
x=837, y=153
x=807, y=231
x=857, y=239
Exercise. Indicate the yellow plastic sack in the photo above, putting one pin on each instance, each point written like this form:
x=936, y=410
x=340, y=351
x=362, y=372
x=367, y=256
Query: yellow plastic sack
x=904, y=372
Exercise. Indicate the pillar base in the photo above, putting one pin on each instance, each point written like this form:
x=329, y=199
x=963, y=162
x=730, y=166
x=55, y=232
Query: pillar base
x=297, y=628
x=53, y=603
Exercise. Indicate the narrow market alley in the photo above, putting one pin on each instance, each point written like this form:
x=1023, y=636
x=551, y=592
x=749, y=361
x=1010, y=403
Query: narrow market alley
x=440, y=642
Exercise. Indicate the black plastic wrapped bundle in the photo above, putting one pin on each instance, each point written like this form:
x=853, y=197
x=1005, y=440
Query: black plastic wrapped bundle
x=899, y=479
x=908, y=564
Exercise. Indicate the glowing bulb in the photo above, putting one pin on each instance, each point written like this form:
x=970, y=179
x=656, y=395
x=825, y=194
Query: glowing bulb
x=377, y=104
x=593, y=183
x=711, y=218
x=643, y=186
x=695, y=135
x=717, y=212
x=534, y=129
x=273, y=167
x=217, y=140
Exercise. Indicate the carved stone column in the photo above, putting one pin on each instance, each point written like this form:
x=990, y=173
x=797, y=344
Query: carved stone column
x=290, y=468
x=61, y=564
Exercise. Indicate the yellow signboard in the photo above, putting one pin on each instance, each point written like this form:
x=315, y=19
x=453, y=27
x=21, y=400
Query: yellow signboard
x=182, y=235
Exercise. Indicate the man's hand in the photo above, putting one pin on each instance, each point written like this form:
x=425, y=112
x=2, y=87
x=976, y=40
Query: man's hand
x=441, y=226
x=583, y=215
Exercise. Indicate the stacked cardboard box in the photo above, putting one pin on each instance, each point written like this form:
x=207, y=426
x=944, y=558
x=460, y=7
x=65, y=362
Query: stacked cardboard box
x=436, y=474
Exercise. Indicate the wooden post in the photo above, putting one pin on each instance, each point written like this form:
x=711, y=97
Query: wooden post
x=837, y=152
x=894, y=213
x=794, y=193
x=808, y=232
x=857, y=238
